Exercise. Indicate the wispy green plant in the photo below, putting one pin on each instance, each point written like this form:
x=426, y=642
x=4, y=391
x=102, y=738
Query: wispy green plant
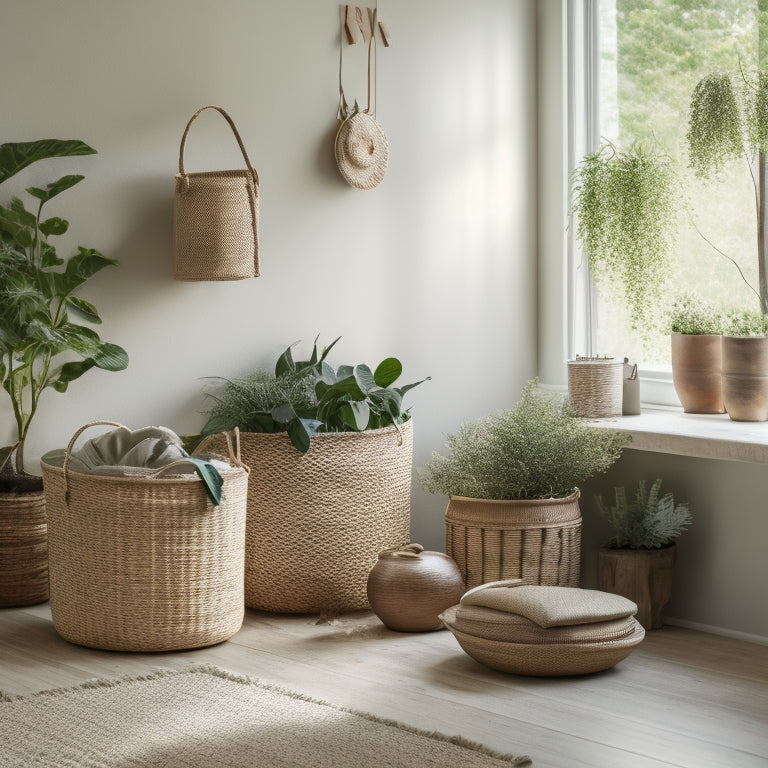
x=626, y=206
x=306, y=397
x=693, y=316
x=651, y=521
x=538, y=449
x=725, y=124
x=714, y=125
x=745, y=323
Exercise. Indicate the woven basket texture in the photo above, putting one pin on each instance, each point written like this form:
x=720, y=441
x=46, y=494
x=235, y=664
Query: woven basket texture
x=542, y=659
x=23, y=549
x=317, y=521
x=145, y=564
x=538, y=541
x=596, y=387
x=215, y=226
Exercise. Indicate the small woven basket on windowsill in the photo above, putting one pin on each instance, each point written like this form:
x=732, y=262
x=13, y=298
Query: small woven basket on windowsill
x=595, y=386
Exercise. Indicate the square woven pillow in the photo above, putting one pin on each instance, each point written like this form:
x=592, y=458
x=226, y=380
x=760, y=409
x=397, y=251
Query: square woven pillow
x=551, y=606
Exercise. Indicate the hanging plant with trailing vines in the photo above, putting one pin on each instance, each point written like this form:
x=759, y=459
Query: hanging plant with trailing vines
x=626, y=204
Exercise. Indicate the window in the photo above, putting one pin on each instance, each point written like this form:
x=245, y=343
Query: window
x=647, y=56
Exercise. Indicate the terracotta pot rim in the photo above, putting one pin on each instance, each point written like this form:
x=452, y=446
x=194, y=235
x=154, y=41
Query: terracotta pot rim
x=532, y=502
x=648, y=551
x=701, y=335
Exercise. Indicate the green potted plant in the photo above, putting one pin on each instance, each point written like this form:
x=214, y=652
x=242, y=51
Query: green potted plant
x=696, y=327
x=626, y=208
x=41, y=347
x=745, y=365
x=512, y=480
x=638, y=560
x=330, y=451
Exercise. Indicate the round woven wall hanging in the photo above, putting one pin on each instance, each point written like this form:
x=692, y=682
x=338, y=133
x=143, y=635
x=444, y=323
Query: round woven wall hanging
x=361, y=151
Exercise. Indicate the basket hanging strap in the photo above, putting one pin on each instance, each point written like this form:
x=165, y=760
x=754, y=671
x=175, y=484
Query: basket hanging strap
x=182, y=184
x=344, y=111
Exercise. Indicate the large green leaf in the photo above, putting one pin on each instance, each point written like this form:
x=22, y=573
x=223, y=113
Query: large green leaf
x=285, y=362
x=54, y=226
x=55, y=187
x=300, y=431
x=15, y=156
x=388, y=371
x=69, y=372
x=364, y=378
x=84, y=308
x=82, y=266
x=111, y=357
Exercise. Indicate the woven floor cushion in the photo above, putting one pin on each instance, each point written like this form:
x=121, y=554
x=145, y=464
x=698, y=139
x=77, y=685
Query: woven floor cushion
x=544, y=631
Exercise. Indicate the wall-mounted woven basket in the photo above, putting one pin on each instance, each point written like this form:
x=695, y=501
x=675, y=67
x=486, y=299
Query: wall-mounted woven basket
x=596, y=386
x=538, y=541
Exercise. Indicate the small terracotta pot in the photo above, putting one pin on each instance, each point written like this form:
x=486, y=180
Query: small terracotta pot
x=745, y=377
x=696, y=361
x=409, y=588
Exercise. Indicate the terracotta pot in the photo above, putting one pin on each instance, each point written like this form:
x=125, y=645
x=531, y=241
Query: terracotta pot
x=23, y=549
x=409, y=588
x=745, y=377
x=696, y=361
x=641, y=575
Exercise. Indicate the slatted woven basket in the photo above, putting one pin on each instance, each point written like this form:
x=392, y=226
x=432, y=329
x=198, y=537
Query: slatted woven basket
x=538, y=541
x=23, y=549
x=317, y=521
x=145, y=563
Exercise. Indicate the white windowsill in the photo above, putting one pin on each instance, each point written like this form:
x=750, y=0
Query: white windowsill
x=689, y=434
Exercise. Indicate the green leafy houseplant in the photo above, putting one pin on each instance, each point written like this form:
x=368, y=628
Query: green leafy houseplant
x=40, y=345
x=307, y=397
x=627, y=207
x=745, y=323
x=536, y=450
x=692, y=316
x=651, y=521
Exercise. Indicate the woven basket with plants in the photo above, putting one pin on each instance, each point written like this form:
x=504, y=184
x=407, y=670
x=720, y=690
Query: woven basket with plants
x=330, y=451
x=513, y=479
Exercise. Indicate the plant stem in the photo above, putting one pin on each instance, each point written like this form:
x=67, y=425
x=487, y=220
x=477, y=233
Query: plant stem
x=762, y=213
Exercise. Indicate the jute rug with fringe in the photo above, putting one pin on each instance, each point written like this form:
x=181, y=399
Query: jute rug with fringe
x=205, y=717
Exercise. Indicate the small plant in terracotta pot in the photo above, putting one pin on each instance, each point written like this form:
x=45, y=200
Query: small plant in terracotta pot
x=696, y=327
x=638, y=560
x=745, y=366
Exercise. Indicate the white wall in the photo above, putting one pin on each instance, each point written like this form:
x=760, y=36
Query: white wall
x=436, y=266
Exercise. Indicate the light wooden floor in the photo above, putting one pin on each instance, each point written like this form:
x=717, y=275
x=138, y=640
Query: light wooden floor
x=682, y=698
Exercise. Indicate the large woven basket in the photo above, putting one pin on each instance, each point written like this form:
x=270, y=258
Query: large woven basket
x=538, y=540
x=317, y=521
x=23, y=549
x=145, y=563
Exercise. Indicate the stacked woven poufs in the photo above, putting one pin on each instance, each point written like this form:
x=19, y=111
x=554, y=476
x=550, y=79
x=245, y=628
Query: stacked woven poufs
x=544, y=631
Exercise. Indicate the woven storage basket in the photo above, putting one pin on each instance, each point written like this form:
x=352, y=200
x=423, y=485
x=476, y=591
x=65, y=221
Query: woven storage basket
x=596, y=387
x=23, y=549
x=145, y=563
x=317, y=521
x=538, y=540
x=216, y=219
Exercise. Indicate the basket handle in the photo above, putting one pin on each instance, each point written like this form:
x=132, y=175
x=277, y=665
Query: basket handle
x=237, y=136
x=233, y=447
x=71, y=445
